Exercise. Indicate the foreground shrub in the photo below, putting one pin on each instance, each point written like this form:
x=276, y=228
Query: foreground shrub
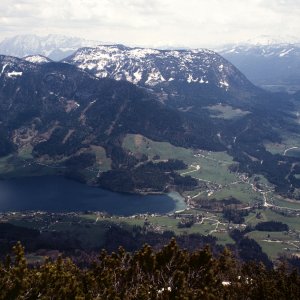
x=171, y=273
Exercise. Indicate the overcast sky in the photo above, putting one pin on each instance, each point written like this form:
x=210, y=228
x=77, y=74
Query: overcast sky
x=192, y=23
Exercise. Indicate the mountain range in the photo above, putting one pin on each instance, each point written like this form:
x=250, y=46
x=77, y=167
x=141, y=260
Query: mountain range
x=69, y=112
x=267, y=62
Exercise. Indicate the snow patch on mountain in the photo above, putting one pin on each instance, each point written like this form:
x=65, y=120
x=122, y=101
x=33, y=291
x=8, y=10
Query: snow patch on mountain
x=224, y=83
x=286, y=52
x=14, y=74
x=3, y=69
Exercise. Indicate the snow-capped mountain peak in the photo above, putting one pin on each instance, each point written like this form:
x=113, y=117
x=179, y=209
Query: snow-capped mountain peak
x=150, y=67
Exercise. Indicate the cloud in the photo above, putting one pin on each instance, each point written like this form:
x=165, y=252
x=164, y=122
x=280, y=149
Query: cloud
x=152, y=22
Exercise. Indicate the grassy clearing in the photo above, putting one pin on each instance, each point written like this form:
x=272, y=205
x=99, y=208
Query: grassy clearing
x=226, y=111
x=273, y=243
x=139, y=144
x=293, y=204
x=213, y=165
x=273, y=249
x=5, y=166
x=252, y=218
x=268, y=215
x=103, y=162
x=161, y=223
x=289, y=140
x=263, y=235
x=128, y=221
x=26, y=152
x=293, y=153
x=275, y=148
x=211, y=170
x=241, y=191
x=292, y=222
x=115, y=220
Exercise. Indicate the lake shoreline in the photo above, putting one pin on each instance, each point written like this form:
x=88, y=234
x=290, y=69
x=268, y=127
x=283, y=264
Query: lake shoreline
x=60, y=194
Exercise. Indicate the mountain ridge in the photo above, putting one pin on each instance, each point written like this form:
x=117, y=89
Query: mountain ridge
x=150, y=67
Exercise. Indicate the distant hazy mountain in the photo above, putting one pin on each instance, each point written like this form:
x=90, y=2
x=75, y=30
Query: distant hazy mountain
x=271, y=40
x=274, y=66
x=152, y=67
x=56, y=47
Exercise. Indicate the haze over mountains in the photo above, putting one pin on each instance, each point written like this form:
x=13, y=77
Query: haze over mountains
x=53, y=46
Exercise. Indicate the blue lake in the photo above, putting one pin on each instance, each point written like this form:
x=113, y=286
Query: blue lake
x=59, y=194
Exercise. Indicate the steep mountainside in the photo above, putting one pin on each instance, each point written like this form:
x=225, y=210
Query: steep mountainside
x=267, y=65
x=54, y=46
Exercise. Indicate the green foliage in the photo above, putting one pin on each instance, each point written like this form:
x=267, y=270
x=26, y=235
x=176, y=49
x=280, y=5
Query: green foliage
x=171, y=273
